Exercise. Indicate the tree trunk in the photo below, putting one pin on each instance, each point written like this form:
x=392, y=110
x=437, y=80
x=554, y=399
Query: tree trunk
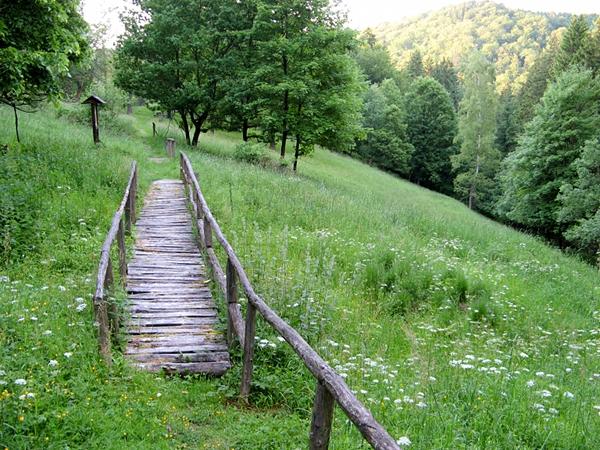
x=284, y=131
x=79, y=90
x=17, y=123
x=297, y=152
x=245, y=127
x=198, y=127
x=473, y=188
x=286, y=107
x=186, y=127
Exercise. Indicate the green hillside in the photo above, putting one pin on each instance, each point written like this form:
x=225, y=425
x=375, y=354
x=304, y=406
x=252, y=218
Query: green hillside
x=510, y=38
x=456, y=332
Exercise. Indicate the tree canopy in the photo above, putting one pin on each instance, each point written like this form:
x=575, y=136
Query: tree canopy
x=39, y=41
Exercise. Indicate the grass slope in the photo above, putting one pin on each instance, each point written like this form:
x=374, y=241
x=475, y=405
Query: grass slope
x=455, y=331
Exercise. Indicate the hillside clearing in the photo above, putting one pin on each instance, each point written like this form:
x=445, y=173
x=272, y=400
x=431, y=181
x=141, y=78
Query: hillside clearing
x=455, y=331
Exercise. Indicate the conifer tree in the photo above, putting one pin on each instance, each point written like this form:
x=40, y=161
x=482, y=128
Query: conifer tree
x=415, y=67
x=573, y=46
x=446, y=74
x=431, y=128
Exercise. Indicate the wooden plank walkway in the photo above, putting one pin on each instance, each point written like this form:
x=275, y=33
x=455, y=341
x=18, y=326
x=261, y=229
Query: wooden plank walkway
x=172, y=322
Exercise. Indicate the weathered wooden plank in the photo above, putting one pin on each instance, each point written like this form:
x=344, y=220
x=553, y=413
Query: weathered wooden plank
x=209, y=368
x=151, y=358
x=176, y=349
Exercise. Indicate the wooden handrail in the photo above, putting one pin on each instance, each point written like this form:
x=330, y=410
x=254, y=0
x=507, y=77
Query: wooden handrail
x=330, y=386
x=123, y=219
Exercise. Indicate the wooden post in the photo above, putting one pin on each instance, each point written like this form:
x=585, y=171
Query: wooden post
x=170, y=147
x=322, y=418
x=95, y=130
x=153, y=129
x=207, y=233
x=199, y=212
x=94, y=101
x=112, y=311
x=122, y=253
x=101, y=310
x=248, y=363
x=232, y=299
x=101, y=317
x=130, y=204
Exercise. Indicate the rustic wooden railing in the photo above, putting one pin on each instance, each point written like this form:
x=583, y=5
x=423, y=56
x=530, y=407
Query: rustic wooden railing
x=331, y=387
x=108, y=321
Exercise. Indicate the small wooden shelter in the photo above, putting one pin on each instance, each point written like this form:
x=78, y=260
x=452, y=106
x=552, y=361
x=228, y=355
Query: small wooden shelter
x=94, y=101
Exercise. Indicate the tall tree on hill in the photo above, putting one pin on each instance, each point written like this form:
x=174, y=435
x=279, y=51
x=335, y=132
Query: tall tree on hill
x=592, y=49
x=415, y=67
x=431, y=128
x=386, y=143
x=39, y=41
x=533, y=174
x=508, y=128
x=477, y=163
x=297, y=37
x=446, y=74
x=580, y=201
x=374, y=60
x=178, y=54
x=537, y=80
x=573, y=46
x=240, y=105
x=326, y=105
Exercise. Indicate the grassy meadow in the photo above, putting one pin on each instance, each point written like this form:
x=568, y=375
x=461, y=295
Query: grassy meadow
x=456, y=332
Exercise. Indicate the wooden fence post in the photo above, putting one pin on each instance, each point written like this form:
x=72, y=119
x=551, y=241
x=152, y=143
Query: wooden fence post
x=248, y=352
x=207, y=233
x=122, y=253
x=170, y=147
x=112, y=310
x=232, y=300
x=133, y=196
x=101, y=313
x=322, y=418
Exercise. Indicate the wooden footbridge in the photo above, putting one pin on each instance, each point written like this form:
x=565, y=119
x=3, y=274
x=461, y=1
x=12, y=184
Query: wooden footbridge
x=170, y=321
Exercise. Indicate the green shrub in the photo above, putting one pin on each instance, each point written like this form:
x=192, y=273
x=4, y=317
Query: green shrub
x=251, y=152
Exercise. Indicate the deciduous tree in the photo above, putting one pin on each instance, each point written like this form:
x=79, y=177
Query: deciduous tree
x=477, y=163
x=39, y=40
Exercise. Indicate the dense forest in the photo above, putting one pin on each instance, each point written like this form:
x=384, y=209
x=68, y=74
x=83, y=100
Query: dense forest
x=511, y=39
x=515, y=139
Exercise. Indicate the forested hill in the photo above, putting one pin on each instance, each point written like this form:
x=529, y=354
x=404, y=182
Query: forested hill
x=510, y=38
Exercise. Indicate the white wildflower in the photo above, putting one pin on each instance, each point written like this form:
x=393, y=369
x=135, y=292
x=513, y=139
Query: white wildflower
x=530, y=383
x=404, y=441
x=53, y=363
x=81, y=307
x=20, y=382
x=545, y=393
x=67, y=354
x=568, y=394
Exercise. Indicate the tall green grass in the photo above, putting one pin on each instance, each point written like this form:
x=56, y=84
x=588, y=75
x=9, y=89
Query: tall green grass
x=457, y=332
